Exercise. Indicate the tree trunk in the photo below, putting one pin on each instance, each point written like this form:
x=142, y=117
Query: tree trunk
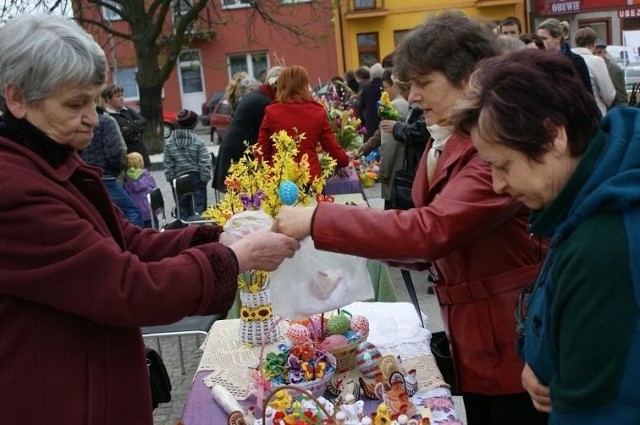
x=151, y=109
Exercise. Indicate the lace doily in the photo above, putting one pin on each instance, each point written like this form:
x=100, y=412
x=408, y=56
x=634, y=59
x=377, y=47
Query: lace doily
x=394, y=329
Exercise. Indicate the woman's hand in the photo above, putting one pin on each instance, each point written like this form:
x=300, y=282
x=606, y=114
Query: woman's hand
x=387, y=125
x=263, y=250
x=294, y=222
x=538, y=392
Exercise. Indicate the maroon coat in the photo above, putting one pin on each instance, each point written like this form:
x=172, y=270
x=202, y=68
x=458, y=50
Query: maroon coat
x=478, y=243
x=76, y=284
x=309, y=118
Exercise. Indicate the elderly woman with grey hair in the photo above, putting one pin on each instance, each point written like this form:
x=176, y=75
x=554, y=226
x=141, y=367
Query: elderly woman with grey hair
x=476, y=240
x=77, y=281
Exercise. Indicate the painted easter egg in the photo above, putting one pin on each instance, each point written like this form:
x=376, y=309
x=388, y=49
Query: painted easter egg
x=288, y=192
x=332, y=342
x=368, y=359
x=298, y=334
x=359, y=324
x=339, y=324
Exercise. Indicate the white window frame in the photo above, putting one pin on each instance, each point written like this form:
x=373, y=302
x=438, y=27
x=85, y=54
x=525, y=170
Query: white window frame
x=294, y=1
x=110, y=15
x=248, y=61
x=234, y=4
x=116, y=79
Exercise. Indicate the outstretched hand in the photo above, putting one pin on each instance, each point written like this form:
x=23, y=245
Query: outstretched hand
x=294, y=222
x=263, y=250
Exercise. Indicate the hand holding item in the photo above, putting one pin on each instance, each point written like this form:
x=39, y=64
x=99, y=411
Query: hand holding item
x=294, y=222
x=538, y=392
x=263, y=250
x=387, y=125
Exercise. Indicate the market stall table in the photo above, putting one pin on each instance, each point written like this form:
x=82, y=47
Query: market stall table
x=348, y=183
x=394, y=329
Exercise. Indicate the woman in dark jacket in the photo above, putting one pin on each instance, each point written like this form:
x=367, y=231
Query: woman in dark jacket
x=244, y=126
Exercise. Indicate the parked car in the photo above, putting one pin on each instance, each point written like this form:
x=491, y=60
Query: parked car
x=210, y=105
x=170, y=119
x=219, y=120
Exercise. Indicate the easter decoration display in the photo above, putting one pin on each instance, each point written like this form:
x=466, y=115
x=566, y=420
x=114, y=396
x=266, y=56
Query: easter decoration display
x=255, y=190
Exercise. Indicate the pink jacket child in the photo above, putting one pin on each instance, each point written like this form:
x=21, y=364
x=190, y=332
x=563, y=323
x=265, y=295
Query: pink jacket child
x=138, y=182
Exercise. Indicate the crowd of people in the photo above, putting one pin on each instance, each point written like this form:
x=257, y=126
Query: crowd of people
x=526, y=166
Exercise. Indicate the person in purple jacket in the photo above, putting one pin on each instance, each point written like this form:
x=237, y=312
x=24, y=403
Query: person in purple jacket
x=138, y=182
x=77, y=281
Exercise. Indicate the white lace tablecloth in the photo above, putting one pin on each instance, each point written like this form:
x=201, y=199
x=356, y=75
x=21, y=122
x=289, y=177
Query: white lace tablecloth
x=394, y=329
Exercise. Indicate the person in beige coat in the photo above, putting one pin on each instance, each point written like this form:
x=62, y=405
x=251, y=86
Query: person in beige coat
x=391, y=150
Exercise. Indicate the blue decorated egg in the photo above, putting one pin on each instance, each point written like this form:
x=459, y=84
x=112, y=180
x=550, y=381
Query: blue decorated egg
x=288, y=192
x=368, y=359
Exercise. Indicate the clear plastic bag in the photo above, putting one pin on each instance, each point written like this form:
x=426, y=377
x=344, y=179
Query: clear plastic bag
x=315, y=281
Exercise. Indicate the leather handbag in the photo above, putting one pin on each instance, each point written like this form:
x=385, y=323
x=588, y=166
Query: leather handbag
x=158, y=378
x=400, y=198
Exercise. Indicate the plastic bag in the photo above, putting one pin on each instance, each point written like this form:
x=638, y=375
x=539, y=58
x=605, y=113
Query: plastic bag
x=245, y=222
x=316, y=281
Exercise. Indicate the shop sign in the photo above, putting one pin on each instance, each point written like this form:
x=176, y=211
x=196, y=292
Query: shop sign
x=629, y=13
x=558, y=7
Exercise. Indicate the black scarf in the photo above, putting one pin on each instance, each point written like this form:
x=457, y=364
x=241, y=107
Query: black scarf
x=26, y=134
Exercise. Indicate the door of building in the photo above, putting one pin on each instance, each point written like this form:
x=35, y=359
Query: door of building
x=192, y=91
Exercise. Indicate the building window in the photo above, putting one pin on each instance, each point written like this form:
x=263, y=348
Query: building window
x=364, y=4
x=190, y=72
x=126, y=77
x=601, y=26
x=251, y=63
x=110, y=14
x=295, y=1
x=398, y=35
x=235, y=4
x=368, y=48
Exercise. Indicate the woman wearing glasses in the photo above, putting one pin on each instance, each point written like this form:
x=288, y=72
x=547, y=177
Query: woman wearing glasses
x=581, y=340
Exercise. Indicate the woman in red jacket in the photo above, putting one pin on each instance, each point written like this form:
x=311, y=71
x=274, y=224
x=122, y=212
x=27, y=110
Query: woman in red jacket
x=295, y=111
x=476, y=240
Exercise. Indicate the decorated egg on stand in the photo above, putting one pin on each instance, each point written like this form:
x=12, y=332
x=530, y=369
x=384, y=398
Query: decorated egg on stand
x=298, y=334
x=339, y=323
x=359, y=324
x=368, y=359
x=333, y=342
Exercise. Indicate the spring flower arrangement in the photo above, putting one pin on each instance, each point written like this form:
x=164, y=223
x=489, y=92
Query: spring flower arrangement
x=263, y=188
x=386, y=110
x=254, y=185
x=367, y=169
x=346, y=127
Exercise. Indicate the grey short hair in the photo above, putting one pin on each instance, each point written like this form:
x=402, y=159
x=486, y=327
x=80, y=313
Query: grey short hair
x=39, y=53
x=553, y=27
x=376, y=70
x=271, y=79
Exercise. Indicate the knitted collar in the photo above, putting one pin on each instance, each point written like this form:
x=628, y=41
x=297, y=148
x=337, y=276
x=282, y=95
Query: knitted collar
x=26, y=134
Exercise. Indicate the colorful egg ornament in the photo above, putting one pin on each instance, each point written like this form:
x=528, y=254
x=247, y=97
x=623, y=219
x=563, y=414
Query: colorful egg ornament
x=298, y=334
x=339, y=324
x=360, y=324
x=288, y=192
x=368, y=359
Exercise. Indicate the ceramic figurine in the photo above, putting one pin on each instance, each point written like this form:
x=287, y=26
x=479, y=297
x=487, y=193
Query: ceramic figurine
x=281, y=401
x=382, y=415
x=353, y=410
x=411, y=382
x=398, y=400
x=341, y=418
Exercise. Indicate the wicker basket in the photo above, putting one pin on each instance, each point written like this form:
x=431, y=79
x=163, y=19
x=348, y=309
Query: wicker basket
x=317, y=387
x=346, y=355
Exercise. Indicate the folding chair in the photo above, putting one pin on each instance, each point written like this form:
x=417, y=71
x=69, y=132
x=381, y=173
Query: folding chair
x=192, y=325
x=158, y=215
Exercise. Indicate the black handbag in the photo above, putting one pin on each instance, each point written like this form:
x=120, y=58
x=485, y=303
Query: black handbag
x=442, y=353
x=400, y=198
x=158, y=378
